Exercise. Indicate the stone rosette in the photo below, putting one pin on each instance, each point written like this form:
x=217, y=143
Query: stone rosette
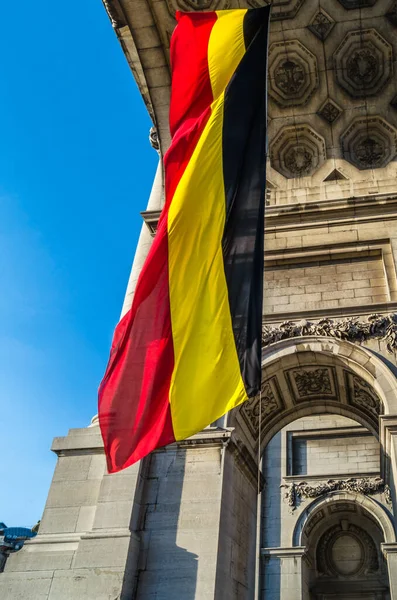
x=363, y=63
x=293, y=73
x=321, y=24
x=297, y=151
x=369, y=143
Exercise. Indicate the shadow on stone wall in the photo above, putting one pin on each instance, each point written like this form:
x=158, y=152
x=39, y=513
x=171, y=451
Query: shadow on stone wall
x=166, y=569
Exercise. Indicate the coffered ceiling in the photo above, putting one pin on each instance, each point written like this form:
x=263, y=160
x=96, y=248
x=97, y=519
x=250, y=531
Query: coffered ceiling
x=332, y=86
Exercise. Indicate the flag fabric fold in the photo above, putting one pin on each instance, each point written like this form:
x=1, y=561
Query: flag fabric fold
x=188, y=350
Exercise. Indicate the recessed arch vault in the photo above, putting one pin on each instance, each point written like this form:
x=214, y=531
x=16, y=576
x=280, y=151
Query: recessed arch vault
x=313, y=376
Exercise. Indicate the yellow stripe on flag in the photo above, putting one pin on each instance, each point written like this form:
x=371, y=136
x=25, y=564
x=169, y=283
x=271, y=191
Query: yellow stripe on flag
x=225, y=48
x=202, y=331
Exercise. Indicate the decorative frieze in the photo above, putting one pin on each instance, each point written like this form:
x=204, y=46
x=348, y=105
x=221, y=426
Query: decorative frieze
x=296, y=492
x=352, y=329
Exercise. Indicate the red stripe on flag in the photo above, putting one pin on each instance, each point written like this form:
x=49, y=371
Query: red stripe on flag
x=191, y=85
x=134, y=410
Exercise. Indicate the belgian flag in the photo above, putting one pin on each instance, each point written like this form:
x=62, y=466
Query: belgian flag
x=189, y=348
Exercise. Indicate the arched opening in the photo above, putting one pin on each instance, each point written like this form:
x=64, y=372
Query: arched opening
x=316, y=425
x=343, y=558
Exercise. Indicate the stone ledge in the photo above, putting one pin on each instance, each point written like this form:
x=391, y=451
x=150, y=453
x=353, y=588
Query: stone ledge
x=283, y=552
x=78, y=439
x=213, y=436
x=389, y=548
x=109, y=533
x=340, y=311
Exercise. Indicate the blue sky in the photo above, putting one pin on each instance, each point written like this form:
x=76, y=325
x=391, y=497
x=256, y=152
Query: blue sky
x=76, y=168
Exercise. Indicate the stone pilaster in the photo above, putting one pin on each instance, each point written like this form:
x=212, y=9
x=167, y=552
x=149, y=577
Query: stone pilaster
x=283, y=573
x=390, y=553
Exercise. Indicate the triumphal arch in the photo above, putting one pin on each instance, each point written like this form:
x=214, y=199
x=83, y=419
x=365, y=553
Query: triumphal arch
x=293, y=495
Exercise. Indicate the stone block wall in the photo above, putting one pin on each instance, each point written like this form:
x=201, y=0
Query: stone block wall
x=330, y=283
x=278, y=519
x=334, y=454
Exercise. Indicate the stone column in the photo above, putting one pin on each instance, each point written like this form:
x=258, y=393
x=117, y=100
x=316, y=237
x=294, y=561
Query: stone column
x=283, y=571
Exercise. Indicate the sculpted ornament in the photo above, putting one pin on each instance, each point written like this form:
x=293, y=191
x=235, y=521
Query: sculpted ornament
x=363, y=62
x=297, y=151
x=321, y=24
x=270, y=403
x=289, y=77
x=383, y=327
x=154, y=139
x=293, y=73
x=329, y=111
x=366, y=486
x=314, y=382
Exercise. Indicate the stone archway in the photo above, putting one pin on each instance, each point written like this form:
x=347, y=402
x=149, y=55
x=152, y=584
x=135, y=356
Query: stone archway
x=316, y=376
x=343, y=535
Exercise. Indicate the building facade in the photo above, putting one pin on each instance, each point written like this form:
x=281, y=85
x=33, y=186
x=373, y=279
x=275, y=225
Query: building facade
x=292, y=495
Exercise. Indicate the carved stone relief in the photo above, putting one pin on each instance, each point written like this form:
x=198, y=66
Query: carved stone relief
x=295, y=492
x=321, y=24
x=271, y=404
x=329, y=111
x=363, y=63
x=310, y=383
x=154, y=139
x=293, y=75
x=382, y=327
x=369, y=142
x=362, y=396
x=297, y=151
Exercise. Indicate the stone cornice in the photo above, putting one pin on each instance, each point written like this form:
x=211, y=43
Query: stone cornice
x=283, y=218
x=382, y=308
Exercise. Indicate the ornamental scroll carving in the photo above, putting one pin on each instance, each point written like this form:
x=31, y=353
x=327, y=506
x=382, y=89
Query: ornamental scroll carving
x=299, y=491
x=383, y=327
